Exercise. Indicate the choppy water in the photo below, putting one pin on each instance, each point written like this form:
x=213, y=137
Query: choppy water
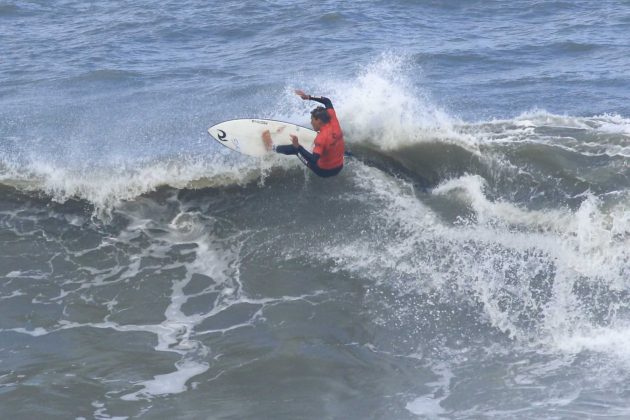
x=471, y=261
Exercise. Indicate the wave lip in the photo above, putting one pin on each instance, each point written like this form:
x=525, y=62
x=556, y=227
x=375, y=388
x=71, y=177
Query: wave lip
x=381, y=107
x=599, y=135
x=106, y=186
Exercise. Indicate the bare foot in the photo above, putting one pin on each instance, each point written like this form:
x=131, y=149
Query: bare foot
x=266, y=137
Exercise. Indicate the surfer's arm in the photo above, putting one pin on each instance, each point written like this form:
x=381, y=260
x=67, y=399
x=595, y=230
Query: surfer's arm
x=321, y=99
x=310, y=158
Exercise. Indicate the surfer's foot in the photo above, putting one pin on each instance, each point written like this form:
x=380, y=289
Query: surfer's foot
x=266, y=137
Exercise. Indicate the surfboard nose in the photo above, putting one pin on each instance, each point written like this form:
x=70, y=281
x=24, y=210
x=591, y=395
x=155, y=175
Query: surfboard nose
x=218, y=133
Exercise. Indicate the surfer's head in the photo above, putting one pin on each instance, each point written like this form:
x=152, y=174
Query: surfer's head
x=319, y=117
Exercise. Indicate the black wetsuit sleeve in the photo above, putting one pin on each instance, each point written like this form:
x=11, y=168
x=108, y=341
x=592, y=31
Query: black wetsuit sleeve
x=310, y=158
x=322, y=100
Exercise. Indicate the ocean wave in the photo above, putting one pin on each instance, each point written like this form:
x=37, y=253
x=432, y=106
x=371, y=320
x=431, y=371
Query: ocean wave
x=512, y=155
x=106, y=186
x=389, y=123
x=550, y=278
x=606, y=134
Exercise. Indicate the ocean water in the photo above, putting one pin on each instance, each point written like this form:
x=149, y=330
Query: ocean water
x=472, y=260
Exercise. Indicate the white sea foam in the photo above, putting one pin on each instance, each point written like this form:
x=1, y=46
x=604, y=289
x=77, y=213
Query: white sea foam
x=35, y=332
x=216, y=259
x=380, y=107
x=107, y=186
x=518, y=264
x=429, y=405
x=612, y=123
x=168, y=383
x=613, y=341
x=426, y=406
x=600, y=135
x=176, y=332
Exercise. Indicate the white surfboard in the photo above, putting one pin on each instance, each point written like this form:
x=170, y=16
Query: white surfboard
x=245, y=135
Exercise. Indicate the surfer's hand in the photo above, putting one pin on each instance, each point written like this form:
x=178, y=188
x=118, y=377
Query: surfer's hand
x=294, y=140
x=301, y=94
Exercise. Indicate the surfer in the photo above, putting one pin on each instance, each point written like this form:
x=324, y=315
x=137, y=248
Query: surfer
x=327, y=156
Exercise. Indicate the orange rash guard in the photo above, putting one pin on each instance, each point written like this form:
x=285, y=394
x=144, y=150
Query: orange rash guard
x=329, y=144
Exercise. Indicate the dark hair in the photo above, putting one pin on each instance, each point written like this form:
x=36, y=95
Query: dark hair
x=321, y=114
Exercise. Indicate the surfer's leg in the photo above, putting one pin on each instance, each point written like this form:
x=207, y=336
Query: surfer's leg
x=325, y=173
x=290, y=150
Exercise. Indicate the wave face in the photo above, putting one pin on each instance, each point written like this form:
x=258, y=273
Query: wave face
x=476, y=244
